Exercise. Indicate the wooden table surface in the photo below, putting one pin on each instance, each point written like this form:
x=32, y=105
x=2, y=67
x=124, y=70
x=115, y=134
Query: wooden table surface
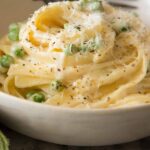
x=21, y=142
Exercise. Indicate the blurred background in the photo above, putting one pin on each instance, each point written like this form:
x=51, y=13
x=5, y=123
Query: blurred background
x=16, y=10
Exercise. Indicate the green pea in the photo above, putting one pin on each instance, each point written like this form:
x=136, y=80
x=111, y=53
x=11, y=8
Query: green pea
x=36, y=96
x=6, y=61
x=13, y=34
x=14, y=27
x=19, y=52
x=56, y=85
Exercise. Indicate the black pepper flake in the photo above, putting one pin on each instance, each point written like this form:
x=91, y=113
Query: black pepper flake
x=23, y=64
x=108, y=98
x=54, y=58
x=51, y=69
x=73, y=88
x=58, y=103
x=130, y=45
x=74, y=66
x=92, y=51
x=59, y=69
x=85, y=98
x=139, y=92
x=80, y=54
x=78, y=28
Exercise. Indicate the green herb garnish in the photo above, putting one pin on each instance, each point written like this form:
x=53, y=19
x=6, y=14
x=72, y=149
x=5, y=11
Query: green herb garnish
x=124, y=29
x=56, y=85
x=91, y=45
x=92, y=5
x=71, y=49
x=120, y=25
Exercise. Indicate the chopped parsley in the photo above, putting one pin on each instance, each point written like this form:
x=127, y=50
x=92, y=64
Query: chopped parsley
x=57, y=86
x=71, y=49
x=88, y=46
x=119, y=25
x=93, y=44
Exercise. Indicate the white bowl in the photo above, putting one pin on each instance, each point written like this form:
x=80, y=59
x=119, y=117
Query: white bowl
x=75, y=127
x=62, y=125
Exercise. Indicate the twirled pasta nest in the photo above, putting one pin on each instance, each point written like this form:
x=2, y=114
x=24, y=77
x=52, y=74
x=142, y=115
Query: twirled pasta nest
x=80, y=55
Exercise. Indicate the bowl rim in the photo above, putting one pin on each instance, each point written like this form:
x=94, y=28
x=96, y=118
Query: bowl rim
x=67, y=109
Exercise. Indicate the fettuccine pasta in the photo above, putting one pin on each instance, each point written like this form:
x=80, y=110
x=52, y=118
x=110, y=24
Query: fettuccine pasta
x=81, y=54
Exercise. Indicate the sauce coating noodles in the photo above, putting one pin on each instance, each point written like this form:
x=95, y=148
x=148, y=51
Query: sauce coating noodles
x=78, y=55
